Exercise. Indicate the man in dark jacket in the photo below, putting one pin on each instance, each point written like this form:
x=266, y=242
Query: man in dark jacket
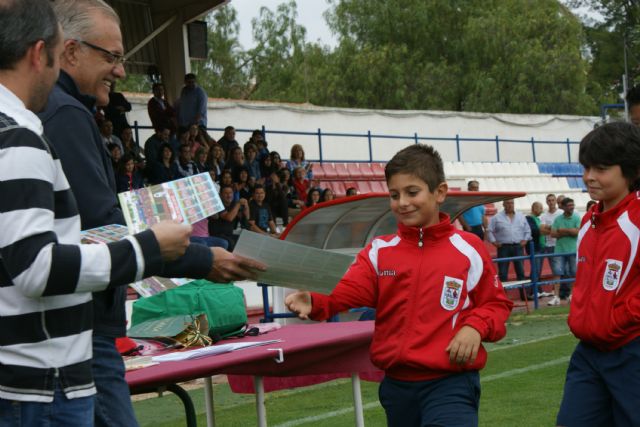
x=92, y=61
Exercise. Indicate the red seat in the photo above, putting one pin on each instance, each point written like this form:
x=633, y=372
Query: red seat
x=342, y=171
x=366, y=172
x=363, y=187
x=318, y=172
x=337, y=187
x=379, y=186
x=378, y=170
x=329, y=170
x=354, y=171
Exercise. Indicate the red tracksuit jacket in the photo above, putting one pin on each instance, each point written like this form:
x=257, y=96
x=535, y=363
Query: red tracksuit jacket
x=605, y=305
x=425, y=283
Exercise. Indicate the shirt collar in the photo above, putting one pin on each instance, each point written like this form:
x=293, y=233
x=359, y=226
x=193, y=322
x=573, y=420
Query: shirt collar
x=66, y=82
x=13, y=107
x=441, y=229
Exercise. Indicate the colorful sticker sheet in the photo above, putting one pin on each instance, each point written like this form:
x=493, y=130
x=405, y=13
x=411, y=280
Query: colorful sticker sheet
x=184, y=200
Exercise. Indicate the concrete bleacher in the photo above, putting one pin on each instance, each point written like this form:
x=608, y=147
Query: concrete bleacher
x=536, y=179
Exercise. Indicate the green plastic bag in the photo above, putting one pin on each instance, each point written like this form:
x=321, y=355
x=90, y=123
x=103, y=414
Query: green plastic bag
x=222, y=303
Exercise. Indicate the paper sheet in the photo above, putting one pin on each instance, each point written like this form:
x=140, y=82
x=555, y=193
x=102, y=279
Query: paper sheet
x=292, y=265
x=184, y=200
x=209, y=351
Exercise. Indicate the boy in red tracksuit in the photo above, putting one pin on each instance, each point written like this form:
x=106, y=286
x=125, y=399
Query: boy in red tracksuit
x=437, y=297
x=602, y=386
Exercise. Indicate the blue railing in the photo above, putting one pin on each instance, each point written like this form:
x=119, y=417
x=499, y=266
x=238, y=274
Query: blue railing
x=319, y=134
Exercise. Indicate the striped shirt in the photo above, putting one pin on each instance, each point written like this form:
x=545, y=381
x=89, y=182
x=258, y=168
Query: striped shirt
x=46, y=275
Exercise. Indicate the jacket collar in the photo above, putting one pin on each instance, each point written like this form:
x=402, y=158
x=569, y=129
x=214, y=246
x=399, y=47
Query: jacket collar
x=423, y=234
x=67, y=84
x=599, y=218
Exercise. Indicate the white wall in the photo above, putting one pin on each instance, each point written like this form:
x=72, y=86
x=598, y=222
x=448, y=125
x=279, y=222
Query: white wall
x=248, y=115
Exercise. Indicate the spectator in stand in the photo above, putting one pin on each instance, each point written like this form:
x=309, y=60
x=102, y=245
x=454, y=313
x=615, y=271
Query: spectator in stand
x=261, y=219
x=251, y=162
x=228, y=141
x=115, y=154
x=166, y=168
x=313, y=197
x=215, y=159
x=509, y=232
x=327, y=195
x=633, y=101
x=565, y=229
x=351, y=191
x=296, y=160
x=161, y=113
x=117, y=109
x=287, y=187
x=537, y=239
x=242, y=183
x=192, y=105
x=196, y=139
x=276, y=160
x=224, y=223
x=186, y=165
x=589, y=204
x=201, y=161
x=474, y=220
x=266, y=169
x=277, y=197
x=152, y=147
x=257, y=137
x=127, y=177
x=546, y=221
x=131, y=147
x=106, y=132
x=235, y=161
x=301, y=184
x=559, y=199
x=226, y=179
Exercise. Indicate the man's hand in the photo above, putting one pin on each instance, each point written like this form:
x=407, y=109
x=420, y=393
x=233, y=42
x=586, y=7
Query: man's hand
x=496, y=244
x=299, y=303
x=172, y=237
x=464, y=347
x=227, y=267
x=523, y=243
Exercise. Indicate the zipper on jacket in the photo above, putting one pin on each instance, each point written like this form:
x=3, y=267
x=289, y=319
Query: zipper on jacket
x=420, y=236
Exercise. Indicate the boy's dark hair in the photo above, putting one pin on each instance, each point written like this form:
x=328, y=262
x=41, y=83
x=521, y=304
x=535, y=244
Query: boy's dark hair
x=633, y=96
x=256, y=187
x=190, y=76
x=420, y=160
x=566, y=201
x=616, y=143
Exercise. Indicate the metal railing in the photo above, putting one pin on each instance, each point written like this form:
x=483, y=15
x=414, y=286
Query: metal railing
x=319, y=135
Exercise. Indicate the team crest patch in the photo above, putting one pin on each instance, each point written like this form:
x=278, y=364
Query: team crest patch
x=451, y=291
x=611, y=278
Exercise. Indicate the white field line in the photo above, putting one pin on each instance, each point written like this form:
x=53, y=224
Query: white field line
x=489, y=378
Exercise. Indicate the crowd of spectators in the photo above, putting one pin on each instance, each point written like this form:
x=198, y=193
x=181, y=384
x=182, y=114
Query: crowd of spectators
x=260, y=191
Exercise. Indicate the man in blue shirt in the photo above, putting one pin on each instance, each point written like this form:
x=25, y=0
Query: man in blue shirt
x=509, y=232
x=192, y=105
x=474, y=220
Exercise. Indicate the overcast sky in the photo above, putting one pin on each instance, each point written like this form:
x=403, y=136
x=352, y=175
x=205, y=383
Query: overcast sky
x=309, y=16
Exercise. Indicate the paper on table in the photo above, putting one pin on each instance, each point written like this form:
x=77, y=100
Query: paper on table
x=209, y=351
x=293, y=265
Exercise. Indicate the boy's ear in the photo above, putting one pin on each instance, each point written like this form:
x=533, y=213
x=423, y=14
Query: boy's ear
x=441, y=192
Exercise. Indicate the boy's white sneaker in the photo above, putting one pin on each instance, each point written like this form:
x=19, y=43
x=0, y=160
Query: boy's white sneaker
x=554, y=301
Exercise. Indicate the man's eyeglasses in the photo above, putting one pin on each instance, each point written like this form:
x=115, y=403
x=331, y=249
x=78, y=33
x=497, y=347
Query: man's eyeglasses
x=112, y=58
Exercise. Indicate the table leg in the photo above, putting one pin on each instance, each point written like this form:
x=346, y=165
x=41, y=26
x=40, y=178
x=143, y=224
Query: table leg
x=189, y=410
x=357, y=399
x=258, y=385
x=208, y=401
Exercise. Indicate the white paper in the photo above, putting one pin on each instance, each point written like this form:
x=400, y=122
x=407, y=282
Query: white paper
x=293, y=265
x=209, y=351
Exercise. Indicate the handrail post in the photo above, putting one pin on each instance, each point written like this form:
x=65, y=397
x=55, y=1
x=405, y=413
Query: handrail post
x=135, y=130
x=415, y=137
x=534, y=273
x=458, y=147
x=370, y=147
x=568, y=150
x=264, y=132
x=497, y=149
x=320, y=143
x=533, y=149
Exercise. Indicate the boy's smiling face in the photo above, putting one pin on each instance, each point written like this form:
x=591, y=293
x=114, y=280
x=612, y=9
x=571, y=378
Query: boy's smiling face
x=412, y=202
x=606, y=184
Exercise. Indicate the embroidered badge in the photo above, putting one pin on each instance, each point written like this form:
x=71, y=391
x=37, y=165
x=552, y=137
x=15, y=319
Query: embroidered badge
x=451, y=291
x=611, y=278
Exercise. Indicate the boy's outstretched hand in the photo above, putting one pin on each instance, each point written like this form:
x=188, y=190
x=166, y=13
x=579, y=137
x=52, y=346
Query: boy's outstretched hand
x=299, y=303
x=464, y=347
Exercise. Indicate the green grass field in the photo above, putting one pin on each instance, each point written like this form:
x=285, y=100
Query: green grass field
x=521, y=386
